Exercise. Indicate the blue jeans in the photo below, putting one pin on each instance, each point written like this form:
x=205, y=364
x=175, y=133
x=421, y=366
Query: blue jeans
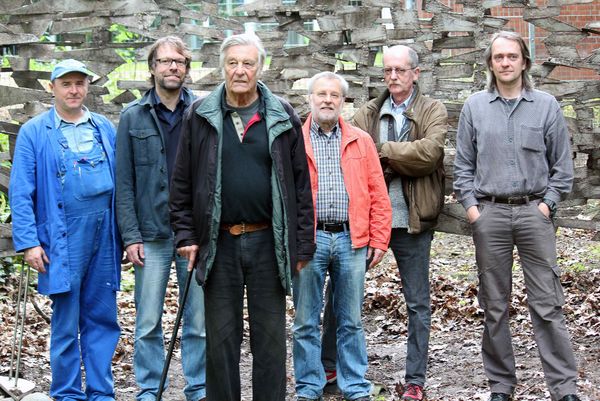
x=149, y=353
x=348, y=275
x=412, y=257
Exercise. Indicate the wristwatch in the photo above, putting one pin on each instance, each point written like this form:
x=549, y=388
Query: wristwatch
x=551, y=205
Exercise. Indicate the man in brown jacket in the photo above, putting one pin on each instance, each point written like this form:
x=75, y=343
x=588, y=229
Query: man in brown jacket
x=409, y=130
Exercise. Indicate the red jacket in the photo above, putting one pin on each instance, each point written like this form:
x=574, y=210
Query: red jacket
x=369, y=208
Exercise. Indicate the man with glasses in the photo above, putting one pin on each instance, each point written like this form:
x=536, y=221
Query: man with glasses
x=409, y=130
x=147, y=140
x=241, y=206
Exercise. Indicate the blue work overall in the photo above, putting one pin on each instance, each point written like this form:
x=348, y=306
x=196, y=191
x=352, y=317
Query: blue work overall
x=84, y=324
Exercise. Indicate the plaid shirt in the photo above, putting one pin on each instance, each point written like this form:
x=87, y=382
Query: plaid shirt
x=332, y=198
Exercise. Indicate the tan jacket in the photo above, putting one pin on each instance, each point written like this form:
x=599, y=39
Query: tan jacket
x=419, y=161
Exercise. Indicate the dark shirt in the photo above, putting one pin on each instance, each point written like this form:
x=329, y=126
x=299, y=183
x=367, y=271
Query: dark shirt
x=246, y=168
x=170, y=124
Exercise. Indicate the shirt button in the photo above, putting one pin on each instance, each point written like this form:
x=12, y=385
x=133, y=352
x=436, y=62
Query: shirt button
x=60, y=205
x=162, y=169
x=162, y=150
x=162, y=187
x=64, y=234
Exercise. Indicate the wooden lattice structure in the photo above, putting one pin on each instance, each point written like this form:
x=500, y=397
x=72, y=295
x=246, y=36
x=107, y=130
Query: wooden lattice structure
x=335, y=35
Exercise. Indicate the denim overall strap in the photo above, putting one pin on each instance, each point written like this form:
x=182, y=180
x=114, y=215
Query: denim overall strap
x=88, y=183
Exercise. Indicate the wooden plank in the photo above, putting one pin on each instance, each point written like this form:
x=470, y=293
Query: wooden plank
x=405, y=19
x=453, y=42
x=9, y=128
x=450, y=22
x=454, y=71
x=552, y=25
x=16, y=38
x=11, y=95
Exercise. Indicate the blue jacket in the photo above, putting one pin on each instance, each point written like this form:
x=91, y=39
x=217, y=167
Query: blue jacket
x=142, y=186
x=35, y=195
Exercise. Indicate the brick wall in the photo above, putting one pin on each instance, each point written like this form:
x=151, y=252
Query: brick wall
x=578, y=15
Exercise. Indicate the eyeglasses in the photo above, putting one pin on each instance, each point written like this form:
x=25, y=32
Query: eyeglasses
x=166, y=62
x=399, y=71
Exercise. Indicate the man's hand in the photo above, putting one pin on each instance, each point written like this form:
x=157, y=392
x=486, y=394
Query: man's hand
x=473, y=214
x=376, y=255
x=36, y=257
x=189, y=252
x=135, y=254
x=301, y=264
x=544, y=209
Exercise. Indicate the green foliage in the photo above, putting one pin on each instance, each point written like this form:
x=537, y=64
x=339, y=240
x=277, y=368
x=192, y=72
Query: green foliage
x=120, y=34
x=4, y=208
x=128, y=280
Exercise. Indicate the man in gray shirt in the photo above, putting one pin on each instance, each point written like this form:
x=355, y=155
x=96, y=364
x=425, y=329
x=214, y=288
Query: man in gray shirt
x=513, y=165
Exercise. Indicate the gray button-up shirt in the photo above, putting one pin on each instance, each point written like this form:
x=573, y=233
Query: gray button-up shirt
x=510, y=151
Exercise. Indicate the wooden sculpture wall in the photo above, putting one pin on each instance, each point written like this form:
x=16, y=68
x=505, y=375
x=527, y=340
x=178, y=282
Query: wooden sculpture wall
x=337, y=36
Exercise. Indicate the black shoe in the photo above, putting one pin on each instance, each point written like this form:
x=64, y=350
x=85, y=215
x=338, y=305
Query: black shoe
x=500, y=397
x=570, y=397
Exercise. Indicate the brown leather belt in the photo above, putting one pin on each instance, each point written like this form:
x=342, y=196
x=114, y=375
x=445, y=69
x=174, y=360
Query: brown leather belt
x=243, y=228
x=512, y=200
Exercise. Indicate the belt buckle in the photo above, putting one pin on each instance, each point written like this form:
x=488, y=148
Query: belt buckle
x=326, y=225
x=238, y=229
x=516, y=200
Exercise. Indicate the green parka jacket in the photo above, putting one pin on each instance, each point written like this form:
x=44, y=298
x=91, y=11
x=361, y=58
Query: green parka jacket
x=195, y=198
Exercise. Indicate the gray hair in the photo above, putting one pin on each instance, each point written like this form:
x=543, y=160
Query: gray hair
x=413, y=57
x=328, y=75
x=487, y=56
x=242, y=39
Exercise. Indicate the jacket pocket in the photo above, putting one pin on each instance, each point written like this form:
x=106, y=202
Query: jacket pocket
x=146, y=145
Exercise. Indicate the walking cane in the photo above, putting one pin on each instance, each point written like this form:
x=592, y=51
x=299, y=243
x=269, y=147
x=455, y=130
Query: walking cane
x=163, y=377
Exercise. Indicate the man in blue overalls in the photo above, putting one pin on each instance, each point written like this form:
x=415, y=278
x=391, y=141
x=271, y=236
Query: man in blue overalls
x=62, y=202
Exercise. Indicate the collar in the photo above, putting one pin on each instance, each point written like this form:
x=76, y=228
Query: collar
x=526, y=95
x=315, y=128
x=58, y=120
x=227, y=108
x=156, y=99
x=405, y=103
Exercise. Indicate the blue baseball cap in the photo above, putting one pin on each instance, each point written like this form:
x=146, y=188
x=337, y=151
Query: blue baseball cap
x=67, y=66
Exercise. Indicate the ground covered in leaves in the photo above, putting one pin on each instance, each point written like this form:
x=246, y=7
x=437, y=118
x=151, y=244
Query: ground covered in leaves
x=455, y=371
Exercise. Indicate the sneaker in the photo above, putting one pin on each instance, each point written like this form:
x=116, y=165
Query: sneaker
x=413, y=392
x=331, y=376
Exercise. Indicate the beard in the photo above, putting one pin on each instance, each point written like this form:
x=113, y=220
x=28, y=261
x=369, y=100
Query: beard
x=169, y=84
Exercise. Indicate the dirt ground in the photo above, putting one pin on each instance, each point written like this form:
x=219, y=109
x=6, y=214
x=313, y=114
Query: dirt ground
x=455, y=370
